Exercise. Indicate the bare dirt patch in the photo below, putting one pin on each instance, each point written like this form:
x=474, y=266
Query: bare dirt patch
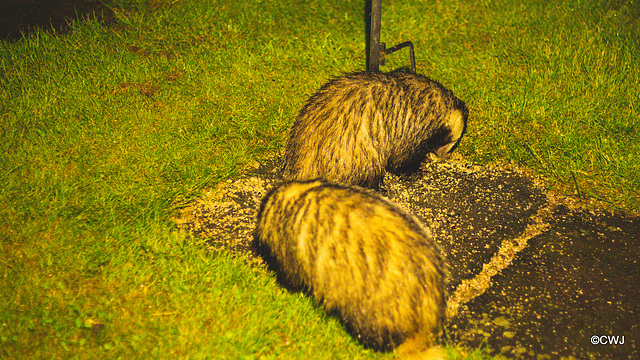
x=533, y=275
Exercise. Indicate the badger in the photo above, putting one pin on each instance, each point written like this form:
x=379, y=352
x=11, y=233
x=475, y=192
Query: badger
x=360, y=257
x=358, y=125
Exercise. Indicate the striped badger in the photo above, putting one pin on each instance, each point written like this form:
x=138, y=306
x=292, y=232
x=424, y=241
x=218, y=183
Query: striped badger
x=360, y=257
x=359, y=125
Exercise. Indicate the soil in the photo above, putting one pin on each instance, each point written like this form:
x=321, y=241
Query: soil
x=533, y=275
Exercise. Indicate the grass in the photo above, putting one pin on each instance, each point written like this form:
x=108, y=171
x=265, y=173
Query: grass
x=106, y=130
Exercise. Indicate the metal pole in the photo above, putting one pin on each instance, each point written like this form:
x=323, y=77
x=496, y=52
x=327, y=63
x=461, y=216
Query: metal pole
x=373, y=9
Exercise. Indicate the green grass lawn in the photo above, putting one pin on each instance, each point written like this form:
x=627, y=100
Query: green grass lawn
x=106, y=130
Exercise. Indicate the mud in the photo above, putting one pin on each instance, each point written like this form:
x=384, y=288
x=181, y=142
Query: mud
x=533, y=275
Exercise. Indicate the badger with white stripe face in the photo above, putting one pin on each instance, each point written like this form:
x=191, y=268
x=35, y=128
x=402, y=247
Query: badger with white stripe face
x=359, y=125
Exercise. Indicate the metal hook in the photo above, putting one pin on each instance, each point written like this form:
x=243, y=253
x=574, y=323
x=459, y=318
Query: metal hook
x=384, y=51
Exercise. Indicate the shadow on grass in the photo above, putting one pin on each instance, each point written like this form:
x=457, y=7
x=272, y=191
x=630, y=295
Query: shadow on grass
x=20, y=17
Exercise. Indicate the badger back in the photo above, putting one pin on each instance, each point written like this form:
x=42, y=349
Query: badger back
x=359, y=256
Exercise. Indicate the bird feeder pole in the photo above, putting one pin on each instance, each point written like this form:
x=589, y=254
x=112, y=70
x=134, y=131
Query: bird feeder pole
x=376, y=50
x=374, y=9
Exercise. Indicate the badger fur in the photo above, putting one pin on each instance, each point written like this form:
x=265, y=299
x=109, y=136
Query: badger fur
x=360, y=257
x=359, y=125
